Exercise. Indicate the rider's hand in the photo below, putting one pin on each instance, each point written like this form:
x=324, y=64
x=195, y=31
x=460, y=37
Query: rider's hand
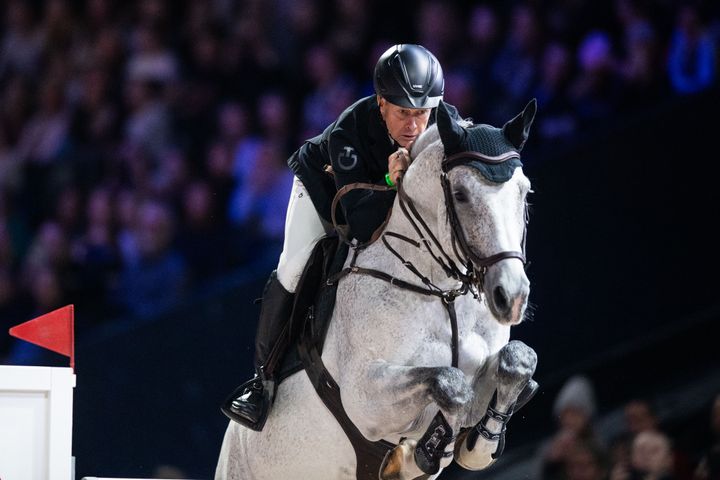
x=398, y=163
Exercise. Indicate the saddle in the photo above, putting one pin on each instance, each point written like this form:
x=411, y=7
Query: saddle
x=314, y=302
x=306, y=331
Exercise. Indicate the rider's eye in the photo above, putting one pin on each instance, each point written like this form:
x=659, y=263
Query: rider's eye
x=460, y=196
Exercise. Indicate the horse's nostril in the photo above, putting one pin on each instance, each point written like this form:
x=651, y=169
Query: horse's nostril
x=500, y=299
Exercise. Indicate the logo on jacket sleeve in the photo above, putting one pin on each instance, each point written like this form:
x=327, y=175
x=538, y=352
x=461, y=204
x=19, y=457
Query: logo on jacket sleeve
x=347, y=159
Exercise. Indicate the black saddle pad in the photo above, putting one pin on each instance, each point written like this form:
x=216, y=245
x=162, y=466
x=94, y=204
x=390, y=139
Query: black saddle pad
x=314, y=300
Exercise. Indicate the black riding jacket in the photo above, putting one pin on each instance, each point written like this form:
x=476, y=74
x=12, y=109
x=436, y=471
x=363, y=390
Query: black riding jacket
x=357, y=146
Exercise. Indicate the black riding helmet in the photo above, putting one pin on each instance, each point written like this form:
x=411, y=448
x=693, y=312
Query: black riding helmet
x=409, y=76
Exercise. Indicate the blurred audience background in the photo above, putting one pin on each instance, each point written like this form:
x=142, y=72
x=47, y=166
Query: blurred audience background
x=143, y=144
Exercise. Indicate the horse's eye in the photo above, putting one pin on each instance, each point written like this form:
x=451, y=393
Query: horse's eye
x=460, y=196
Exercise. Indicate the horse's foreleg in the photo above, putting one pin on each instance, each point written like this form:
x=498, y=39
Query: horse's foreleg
x=405, y=391
x=483, y=444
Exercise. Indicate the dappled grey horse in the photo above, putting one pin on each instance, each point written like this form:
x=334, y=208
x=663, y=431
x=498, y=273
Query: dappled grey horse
x=419, y=340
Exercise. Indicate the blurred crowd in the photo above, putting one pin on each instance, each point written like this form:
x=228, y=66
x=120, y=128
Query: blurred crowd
x=143, y=144
x=644, y=447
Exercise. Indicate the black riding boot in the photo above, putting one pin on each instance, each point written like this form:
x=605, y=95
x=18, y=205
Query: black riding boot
x=250, y=403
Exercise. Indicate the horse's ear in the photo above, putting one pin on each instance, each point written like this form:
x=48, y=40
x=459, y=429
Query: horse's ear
x=451, y=134
x=518, y=129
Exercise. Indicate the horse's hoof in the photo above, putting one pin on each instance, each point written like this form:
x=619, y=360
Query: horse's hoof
x=392, y=464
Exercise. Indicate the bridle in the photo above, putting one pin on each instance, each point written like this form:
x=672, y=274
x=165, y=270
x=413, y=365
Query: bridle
x=473, y=262
x=474, y=267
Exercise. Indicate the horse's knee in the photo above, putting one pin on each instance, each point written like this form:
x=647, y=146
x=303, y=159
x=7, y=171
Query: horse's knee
x=448, y=388
x=516, y=367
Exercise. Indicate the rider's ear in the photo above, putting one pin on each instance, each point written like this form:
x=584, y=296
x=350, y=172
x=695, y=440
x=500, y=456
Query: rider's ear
x=451, y=134
x=518, y=129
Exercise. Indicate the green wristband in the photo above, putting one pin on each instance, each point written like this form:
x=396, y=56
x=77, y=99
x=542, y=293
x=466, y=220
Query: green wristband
x=388, y=180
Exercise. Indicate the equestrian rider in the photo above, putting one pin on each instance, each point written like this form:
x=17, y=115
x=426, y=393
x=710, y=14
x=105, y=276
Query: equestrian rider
x=369, y=142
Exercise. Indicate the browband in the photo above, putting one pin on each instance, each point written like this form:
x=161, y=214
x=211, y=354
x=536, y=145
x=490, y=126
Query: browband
x=461, y=157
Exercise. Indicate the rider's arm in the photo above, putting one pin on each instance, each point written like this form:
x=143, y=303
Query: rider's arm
x=365, y=210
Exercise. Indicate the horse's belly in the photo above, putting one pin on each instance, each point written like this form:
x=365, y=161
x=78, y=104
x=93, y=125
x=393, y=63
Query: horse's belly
x=301, y=439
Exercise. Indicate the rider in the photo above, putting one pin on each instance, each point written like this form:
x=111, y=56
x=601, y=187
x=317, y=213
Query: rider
x=369, y=142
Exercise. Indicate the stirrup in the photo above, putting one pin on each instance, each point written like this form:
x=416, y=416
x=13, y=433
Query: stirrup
x=252, y=386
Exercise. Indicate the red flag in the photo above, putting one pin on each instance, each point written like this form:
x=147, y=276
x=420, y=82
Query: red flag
x=54, y=331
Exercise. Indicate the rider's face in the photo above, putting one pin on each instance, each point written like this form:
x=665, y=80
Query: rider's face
x=404, y=124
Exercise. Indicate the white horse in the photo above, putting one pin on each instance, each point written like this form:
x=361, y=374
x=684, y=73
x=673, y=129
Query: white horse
x=391, y=349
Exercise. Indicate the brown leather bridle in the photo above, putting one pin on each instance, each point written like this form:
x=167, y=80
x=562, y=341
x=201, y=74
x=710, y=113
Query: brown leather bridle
x=467, y=254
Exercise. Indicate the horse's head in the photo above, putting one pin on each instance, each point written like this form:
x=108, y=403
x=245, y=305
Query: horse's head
x=485, y=197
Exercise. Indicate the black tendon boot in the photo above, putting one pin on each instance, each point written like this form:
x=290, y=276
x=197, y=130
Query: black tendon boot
x=250, y=403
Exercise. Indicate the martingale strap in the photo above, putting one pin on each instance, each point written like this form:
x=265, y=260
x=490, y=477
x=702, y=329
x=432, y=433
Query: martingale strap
x=369, y=455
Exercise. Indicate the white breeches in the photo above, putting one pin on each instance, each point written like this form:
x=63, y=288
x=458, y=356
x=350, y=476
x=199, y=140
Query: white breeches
x=303, y=229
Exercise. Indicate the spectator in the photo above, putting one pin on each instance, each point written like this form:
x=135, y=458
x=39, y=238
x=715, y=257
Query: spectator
x=41, y=144
x=151, y=61
x=438, y=27
x=94, y=125
x=650, y=459
x=516, y=66
x=125, y=210
x=157, y=281
x=485, y=41
x=574, y=411
x=46, y=293
x=258, y=205
x=597, y=90
x=50, y=249
x=22, y=44
x=332, y=90
x=59, y=26
x=640, y=67
x=557, y=120
x=148, y=126
x=274, y=117
x=350, y=32
x=95, y=254
x=692, y=58
x=45, y=133
x=585, y=461
x=708, y=467
x=68, y=211
x=640, y=416
x=202, y=240
x=459, y=84
x=14, y=308
x=221, y=167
